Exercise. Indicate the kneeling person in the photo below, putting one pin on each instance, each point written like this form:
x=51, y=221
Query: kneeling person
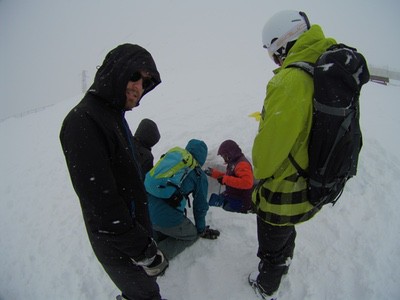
x=238, y=179
x=173, y=231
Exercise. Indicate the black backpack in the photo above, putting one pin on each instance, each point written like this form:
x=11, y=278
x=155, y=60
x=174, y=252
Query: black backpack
x=335, y=138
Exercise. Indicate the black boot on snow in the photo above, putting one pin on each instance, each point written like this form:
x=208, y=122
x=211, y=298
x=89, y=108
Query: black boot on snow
x=260, y=293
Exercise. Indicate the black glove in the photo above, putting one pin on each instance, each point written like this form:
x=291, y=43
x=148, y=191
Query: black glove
x=209, y=233
x=220, y=180
x=208, y=171
x=152, y=260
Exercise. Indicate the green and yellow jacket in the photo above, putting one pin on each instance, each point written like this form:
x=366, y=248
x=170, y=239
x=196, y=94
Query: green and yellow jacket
x=281, y=196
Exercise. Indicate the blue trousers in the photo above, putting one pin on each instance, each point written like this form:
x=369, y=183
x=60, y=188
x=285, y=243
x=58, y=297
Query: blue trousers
x=226, y=202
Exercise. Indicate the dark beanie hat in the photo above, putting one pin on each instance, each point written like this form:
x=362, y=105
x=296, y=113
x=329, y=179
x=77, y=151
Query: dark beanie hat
x=147, y=133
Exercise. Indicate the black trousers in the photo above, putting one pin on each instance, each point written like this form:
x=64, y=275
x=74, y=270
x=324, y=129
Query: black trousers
x=132, y=280
x=275, y=245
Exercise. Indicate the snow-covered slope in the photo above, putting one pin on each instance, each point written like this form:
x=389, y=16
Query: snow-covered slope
x=350, y=251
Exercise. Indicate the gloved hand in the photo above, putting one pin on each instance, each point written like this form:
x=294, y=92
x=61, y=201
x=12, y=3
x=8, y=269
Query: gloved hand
x=209, y=233
x=152, y=260
x=220, y=180
x=208, y=171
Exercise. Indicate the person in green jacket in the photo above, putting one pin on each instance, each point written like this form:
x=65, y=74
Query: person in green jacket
x=280, y=199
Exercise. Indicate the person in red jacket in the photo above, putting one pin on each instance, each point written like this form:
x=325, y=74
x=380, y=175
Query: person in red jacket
x=238, y=180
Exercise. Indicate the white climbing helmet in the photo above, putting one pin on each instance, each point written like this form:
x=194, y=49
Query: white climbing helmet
x=282, y=28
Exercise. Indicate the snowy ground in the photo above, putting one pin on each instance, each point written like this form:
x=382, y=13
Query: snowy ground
x=350, y=251
x=214, y=73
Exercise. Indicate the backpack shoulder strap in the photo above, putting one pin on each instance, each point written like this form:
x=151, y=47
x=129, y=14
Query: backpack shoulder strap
x=303, y=65
x=197, y=169
x=303, y=173
x=309, y=69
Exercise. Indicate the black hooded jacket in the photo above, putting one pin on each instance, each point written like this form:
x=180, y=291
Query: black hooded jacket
x=101, y=159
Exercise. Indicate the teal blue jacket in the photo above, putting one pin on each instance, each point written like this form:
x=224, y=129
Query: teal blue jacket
x=164, y=215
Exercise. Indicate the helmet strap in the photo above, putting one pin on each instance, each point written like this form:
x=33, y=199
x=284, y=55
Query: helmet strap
x=280, y=55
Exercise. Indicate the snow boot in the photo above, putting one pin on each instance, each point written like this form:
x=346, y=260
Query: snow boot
x=260, y=293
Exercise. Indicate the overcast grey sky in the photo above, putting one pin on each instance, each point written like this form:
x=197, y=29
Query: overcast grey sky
x=45, y=44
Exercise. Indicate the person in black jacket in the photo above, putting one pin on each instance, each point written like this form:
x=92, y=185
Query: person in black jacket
x=106, y=174
x=145, y=137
